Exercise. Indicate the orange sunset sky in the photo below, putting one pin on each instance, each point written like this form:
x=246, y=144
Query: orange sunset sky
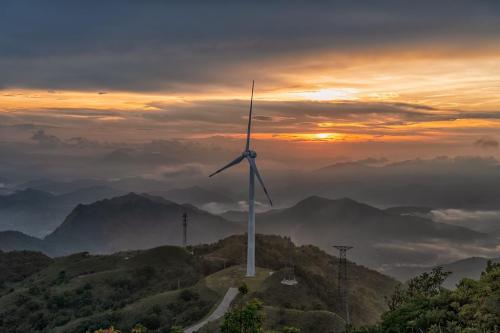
x=392, y=79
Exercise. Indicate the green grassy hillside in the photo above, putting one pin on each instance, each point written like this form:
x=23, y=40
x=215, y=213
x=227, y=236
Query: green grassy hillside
x=18, y=265
x=84, y=292
x=317, y=273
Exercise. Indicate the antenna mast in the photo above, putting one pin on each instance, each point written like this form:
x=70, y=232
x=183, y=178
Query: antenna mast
x=342, y=280
x=184, y=230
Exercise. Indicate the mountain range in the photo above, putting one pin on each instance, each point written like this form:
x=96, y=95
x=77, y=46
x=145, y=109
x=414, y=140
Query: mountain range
x=485, y=221
x=134, y=221
x=38, y=207
x=462, y=182
x=470, y=268
x=131, y=221
x=381, y=239
x=37, y=213
x=16, y=240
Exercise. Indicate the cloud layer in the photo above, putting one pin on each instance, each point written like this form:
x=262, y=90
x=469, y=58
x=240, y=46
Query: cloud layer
x=160, y=46
x=388, y=79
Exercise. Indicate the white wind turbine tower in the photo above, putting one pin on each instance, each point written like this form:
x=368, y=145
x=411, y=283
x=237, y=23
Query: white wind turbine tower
x=250, y=155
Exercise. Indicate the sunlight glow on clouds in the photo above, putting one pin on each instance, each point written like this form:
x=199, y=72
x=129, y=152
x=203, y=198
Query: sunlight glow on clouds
x=329, y=94
x=342, y=77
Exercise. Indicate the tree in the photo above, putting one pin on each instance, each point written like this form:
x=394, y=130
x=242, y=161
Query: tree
x=139, y=328
x=424, y=306
x=243, y=289
x=247, y=319
x=425, y=285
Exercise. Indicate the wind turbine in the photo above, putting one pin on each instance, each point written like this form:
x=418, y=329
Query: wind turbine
x=250, y=156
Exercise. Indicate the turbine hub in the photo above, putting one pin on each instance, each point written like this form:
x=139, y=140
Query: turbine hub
x=250, y=153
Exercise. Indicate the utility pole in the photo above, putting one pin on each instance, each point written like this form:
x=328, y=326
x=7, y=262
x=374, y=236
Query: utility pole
x=184, y=229
x=342, y=281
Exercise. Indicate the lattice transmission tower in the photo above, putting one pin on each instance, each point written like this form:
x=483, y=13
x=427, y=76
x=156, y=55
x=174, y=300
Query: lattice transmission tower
x=343, y=287
x=184, y=229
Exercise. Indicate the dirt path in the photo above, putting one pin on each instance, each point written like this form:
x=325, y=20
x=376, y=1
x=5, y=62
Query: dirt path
x=218, y=312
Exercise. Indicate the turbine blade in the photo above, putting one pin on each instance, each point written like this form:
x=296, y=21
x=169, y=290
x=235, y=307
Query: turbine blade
x=230, y=164
x=250, y=119
x=254, y=167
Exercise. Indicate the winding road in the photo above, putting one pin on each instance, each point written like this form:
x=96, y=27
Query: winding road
x=218, y=312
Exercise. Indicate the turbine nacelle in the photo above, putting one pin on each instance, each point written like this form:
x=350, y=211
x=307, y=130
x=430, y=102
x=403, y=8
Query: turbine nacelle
x=250, y=153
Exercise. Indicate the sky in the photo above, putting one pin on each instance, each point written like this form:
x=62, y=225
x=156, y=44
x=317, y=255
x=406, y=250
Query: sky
x=333, y=79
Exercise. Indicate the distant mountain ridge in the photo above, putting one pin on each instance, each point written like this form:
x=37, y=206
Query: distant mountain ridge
x=466, y=268
x=441, y=182
x=131, y=221
x=36, y=212
x=134, y=221
x=379, y=237
x=16, y=240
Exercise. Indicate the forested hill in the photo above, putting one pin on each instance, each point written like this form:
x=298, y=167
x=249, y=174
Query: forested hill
x=168, y=286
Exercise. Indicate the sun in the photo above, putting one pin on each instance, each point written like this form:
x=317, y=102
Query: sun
x=312, y=137
x=324, y=136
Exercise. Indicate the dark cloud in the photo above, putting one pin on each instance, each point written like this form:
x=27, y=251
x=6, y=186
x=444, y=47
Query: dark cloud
x=79, y=142
x=373, y=161
x=28, y=127
x=274, y=119
x=50, y=141
x=304, y=116
x=486, y=142
x=46, y=140
x=156, y=45
x=213, y=117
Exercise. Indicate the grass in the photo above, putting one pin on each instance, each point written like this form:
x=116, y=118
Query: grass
x=234, y=276
x=210, y=290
